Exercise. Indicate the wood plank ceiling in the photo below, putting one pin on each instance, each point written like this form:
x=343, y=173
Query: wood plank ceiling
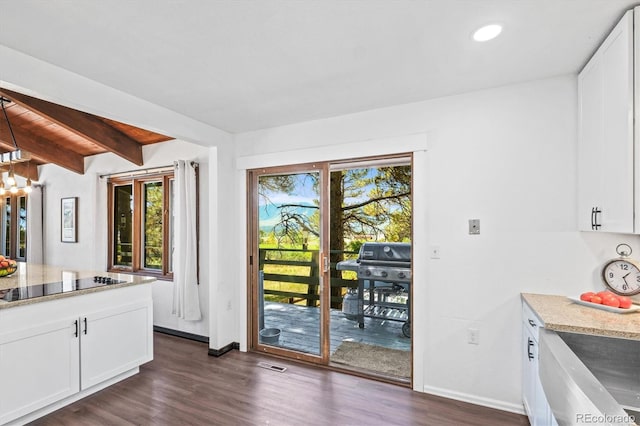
x=64, y=136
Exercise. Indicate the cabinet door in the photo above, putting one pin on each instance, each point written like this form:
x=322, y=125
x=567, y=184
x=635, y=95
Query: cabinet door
x=40, y=365
x=528, y=373
x=606, y=147
x=114, y=341
x=591, y=134
x=617, y=107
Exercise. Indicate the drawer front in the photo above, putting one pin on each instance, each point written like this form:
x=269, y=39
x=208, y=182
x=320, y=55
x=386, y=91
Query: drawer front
x=531, y=321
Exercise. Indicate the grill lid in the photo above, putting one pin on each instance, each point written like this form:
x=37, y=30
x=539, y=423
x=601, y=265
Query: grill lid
x=385, y=252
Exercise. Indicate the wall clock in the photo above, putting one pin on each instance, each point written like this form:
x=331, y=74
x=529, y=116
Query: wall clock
x=622, y=275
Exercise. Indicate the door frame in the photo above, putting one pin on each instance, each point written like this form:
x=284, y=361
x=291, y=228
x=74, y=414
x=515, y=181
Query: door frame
x=252, y=265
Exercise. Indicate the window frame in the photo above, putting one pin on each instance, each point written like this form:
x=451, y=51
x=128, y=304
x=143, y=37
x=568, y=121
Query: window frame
x=18, y=240
x=137, y=261
x=12, y=235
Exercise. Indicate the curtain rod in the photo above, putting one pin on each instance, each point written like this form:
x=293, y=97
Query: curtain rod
x=146, y=171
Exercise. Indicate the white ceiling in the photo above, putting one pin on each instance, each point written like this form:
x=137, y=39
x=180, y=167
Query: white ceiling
x=243, y=65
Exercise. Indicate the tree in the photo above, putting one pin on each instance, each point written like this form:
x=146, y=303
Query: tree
x=364, y=204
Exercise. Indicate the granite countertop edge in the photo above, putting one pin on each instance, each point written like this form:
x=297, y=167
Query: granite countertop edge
x=558, y=313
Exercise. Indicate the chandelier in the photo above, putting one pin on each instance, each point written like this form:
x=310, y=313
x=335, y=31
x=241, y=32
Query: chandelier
x=12, y=157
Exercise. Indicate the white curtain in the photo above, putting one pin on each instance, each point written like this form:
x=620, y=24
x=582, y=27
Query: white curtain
x=35, y=236
x=186, y=303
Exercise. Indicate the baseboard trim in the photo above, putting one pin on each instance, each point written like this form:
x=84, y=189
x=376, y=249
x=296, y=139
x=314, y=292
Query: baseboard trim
x=182, y=334
x=223, y=350
x=474, y=399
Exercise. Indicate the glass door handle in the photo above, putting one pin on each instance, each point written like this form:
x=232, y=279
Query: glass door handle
x=325, y=263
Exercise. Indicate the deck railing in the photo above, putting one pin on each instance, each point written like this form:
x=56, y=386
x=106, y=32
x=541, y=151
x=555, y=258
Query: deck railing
x=274, y=259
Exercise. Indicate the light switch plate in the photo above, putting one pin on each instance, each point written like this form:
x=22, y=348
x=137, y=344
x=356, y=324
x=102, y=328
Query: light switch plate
x=474, y=226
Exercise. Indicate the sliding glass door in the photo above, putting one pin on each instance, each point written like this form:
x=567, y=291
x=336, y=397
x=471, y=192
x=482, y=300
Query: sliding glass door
x=308, y=300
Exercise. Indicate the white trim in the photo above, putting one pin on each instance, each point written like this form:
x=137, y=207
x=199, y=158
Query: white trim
x=372, y=147
x=421, y=324
x=243, y=290
x=412, y=143
x=474, y=399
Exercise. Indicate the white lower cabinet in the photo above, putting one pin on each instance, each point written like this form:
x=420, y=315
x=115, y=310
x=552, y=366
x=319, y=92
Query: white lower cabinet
x=114, y=341
x=533, y=398
x=56, y=358
x=40, y=365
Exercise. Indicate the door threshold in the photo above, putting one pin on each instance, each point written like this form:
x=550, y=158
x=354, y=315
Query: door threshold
x=369, y=374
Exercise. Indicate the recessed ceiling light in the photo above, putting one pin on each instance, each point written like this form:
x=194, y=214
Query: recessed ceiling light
x=487, y=32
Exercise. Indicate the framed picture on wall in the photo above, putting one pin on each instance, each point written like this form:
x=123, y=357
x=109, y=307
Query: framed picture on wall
x=69, y=219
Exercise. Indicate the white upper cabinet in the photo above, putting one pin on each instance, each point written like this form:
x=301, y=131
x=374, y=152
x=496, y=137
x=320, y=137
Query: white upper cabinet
x=606, y=148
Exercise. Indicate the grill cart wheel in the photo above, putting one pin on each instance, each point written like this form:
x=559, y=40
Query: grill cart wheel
x=406, y=329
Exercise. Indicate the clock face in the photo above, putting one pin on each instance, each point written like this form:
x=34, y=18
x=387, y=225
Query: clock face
x=622, y=277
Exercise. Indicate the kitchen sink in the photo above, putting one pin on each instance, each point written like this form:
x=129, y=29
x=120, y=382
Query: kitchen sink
x=634, y=414
x=587, y=375
x=614, y=362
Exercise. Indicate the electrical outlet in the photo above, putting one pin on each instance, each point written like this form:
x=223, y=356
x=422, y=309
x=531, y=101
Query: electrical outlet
x=229, y=305
x=473, y=336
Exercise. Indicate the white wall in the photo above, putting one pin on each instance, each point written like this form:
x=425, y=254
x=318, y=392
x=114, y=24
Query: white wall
x=506, y=156
x=90, y=252
x=225, y=244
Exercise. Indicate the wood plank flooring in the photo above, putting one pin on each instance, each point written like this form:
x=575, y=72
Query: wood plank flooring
x=185, y=386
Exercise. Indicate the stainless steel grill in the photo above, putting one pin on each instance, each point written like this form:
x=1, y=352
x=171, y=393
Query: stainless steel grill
x=384, y=281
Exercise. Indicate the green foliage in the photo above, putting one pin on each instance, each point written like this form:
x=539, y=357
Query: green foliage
x=354, y=245
x=382, y=212
x=153, y=195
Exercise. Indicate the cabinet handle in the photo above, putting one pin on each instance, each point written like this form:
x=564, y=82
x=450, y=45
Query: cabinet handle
x=529, y=346
x=85, y=325
x=76, y=333
x=594, y=221
x=532, y=323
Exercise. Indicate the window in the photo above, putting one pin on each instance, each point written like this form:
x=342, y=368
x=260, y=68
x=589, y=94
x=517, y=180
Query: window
x=140, y=223
x=13, y=232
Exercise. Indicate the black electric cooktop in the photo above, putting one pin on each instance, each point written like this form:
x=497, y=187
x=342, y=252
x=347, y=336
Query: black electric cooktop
x=39, y=290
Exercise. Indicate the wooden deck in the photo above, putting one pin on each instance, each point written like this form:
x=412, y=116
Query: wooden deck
x=300, y=329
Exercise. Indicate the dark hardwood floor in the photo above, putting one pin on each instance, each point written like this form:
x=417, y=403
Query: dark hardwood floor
x=185, y=386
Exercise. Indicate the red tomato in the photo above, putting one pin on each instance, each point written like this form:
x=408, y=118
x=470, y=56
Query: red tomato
x=587, y=296
x=625, y=302
x=596, y=299
x=604, y=294
x=611, y=301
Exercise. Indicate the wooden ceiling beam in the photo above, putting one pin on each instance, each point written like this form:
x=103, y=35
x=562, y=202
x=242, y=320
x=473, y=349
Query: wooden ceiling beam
x=82, y=124
x=42, y=149
x=23, y=169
